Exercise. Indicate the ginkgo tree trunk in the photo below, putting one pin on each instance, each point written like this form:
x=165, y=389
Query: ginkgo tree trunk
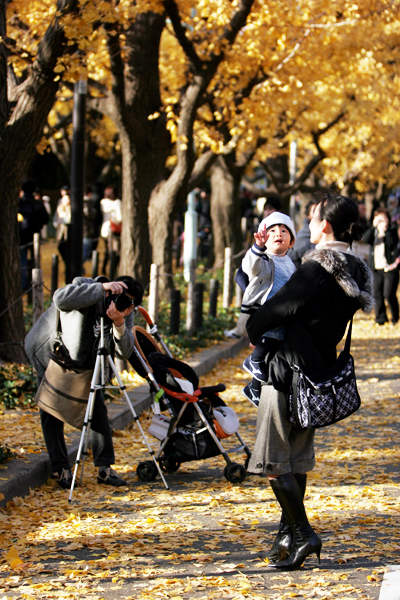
x=23, y=112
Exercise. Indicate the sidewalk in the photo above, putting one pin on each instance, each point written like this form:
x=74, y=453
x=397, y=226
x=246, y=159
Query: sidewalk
x=206, y=539
x=19, y=476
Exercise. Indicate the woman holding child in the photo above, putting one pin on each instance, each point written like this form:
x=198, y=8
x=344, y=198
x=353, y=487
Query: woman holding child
x=314, y=307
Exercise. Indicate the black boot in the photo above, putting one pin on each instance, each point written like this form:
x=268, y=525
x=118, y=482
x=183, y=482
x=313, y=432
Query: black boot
x=305, y=540
x=284, y=538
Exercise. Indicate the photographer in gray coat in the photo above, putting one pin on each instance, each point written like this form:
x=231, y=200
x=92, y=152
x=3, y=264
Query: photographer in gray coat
x=77, y=303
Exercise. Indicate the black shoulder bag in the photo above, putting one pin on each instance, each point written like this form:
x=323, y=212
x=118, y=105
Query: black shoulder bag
x=323, y=399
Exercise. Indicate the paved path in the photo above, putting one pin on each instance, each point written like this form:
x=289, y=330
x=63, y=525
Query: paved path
x=206, y=538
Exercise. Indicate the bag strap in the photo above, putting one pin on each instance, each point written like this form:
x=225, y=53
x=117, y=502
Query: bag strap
x=294, y=396
x=58, y=342
x=348, y=337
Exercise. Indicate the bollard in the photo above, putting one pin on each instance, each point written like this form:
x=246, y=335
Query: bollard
x=29, y=274
x=190, y=297
x=95, y=264
x=227, y=293
x=153, y=292
x=175, y=311
x=54, y=273
x=36, y=250
x=198, y=305
x=37, y=294
x=243, y=228
x=214, y=289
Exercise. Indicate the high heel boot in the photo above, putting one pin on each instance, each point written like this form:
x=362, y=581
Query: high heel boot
x=305, y=540
x=284, y=538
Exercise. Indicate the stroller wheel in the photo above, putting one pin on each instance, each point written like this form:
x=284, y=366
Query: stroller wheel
x=169, y=465
x=146, y=471
x=235, y=473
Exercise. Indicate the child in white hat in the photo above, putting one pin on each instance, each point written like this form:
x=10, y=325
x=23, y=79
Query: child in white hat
x=268, y=269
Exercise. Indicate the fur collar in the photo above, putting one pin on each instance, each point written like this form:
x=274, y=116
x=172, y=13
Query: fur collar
x=336, y=264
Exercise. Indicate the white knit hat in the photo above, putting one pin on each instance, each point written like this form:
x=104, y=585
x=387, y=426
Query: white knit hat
x=277, y=218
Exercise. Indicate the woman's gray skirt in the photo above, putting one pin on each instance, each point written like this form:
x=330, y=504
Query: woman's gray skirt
x=279, y=447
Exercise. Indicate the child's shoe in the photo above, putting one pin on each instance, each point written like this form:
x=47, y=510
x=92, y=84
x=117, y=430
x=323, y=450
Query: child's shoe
x=256, y=369
x=251, y=395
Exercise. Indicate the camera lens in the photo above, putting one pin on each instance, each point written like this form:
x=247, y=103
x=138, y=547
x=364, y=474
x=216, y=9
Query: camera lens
x=122, y=302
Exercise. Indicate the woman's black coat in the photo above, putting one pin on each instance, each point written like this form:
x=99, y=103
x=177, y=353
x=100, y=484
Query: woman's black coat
x=315, y=306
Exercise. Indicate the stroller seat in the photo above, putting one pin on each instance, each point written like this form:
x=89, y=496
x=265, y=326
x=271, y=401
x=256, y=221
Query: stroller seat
x=199, y=418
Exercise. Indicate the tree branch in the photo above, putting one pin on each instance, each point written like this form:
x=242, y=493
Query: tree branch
x=117, y=66
x=180, y=32
x=201, y=166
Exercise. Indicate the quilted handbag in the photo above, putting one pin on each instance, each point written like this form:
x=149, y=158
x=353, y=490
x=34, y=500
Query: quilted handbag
x=322, y=400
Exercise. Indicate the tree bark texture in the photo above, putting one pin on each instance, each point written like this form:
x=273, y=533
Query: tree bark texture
x=3, y=67
x=145, y=143
x=20, y=133
x=225, y=207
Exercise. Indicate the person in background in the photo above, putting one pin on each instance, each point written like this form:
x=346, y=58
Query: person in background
x=272, y=203
x=89, y=223
x=46, y=202
x=384, y=250
x=32, y=216
x=62, y=219
x=112, y=223
x=302, y=243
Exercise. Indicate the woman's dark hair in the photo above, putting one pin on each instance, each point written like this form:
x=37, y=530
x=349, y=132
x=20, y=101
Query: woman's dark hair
x=342, y=215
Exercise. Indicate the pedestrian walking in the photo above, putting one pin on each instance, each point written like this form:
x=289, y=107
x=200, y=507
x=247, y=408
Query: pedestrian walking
x=384, y=250
x=315, y=306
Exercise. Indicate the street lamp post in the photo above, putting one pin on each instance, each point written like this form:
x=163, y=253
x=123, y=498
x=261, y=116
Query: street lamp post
x=75, y=228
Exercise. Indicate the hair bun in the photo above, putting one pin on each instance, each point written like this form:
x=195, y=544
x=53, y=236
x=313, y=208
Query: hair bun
x=356, y=231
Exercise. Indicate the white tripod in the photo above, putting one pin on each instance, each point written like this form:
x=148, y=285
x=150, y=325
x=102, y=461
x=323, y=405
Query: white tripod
x=98, y=382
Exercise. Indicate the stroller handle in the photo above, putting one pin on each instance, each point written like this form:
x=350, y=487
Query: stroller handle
x=145, y=315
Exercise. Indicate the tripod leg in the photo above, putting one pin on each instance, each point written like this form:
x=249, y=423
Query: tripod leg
x=122, y=387
x=83, y=443
x=87, y=436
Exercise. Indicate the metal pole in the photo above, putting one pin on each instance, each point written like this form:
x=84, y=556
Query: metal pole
x=190, y=298
x=95, y=264
x=198, y=305
x=37, y=295
x=75, y=228
x=54, y=273
x=292, y=176
x=175, y=311
x=190, y=237
x=227, y=292
x=153, y=292
x=214, y=286
x=36, y=250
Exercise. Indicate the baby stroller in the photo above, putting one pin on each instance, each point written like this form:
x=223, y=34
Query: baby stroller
x=196, y=419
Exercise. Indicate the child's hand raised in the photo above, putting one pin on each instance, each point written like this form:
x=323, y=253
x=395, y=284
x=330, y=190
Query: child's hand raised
x=261, y=237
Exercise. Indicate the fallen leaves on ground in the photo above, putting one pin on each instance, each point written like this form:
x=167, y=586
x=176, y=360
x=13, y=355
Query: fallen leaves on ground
x=206, y=538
